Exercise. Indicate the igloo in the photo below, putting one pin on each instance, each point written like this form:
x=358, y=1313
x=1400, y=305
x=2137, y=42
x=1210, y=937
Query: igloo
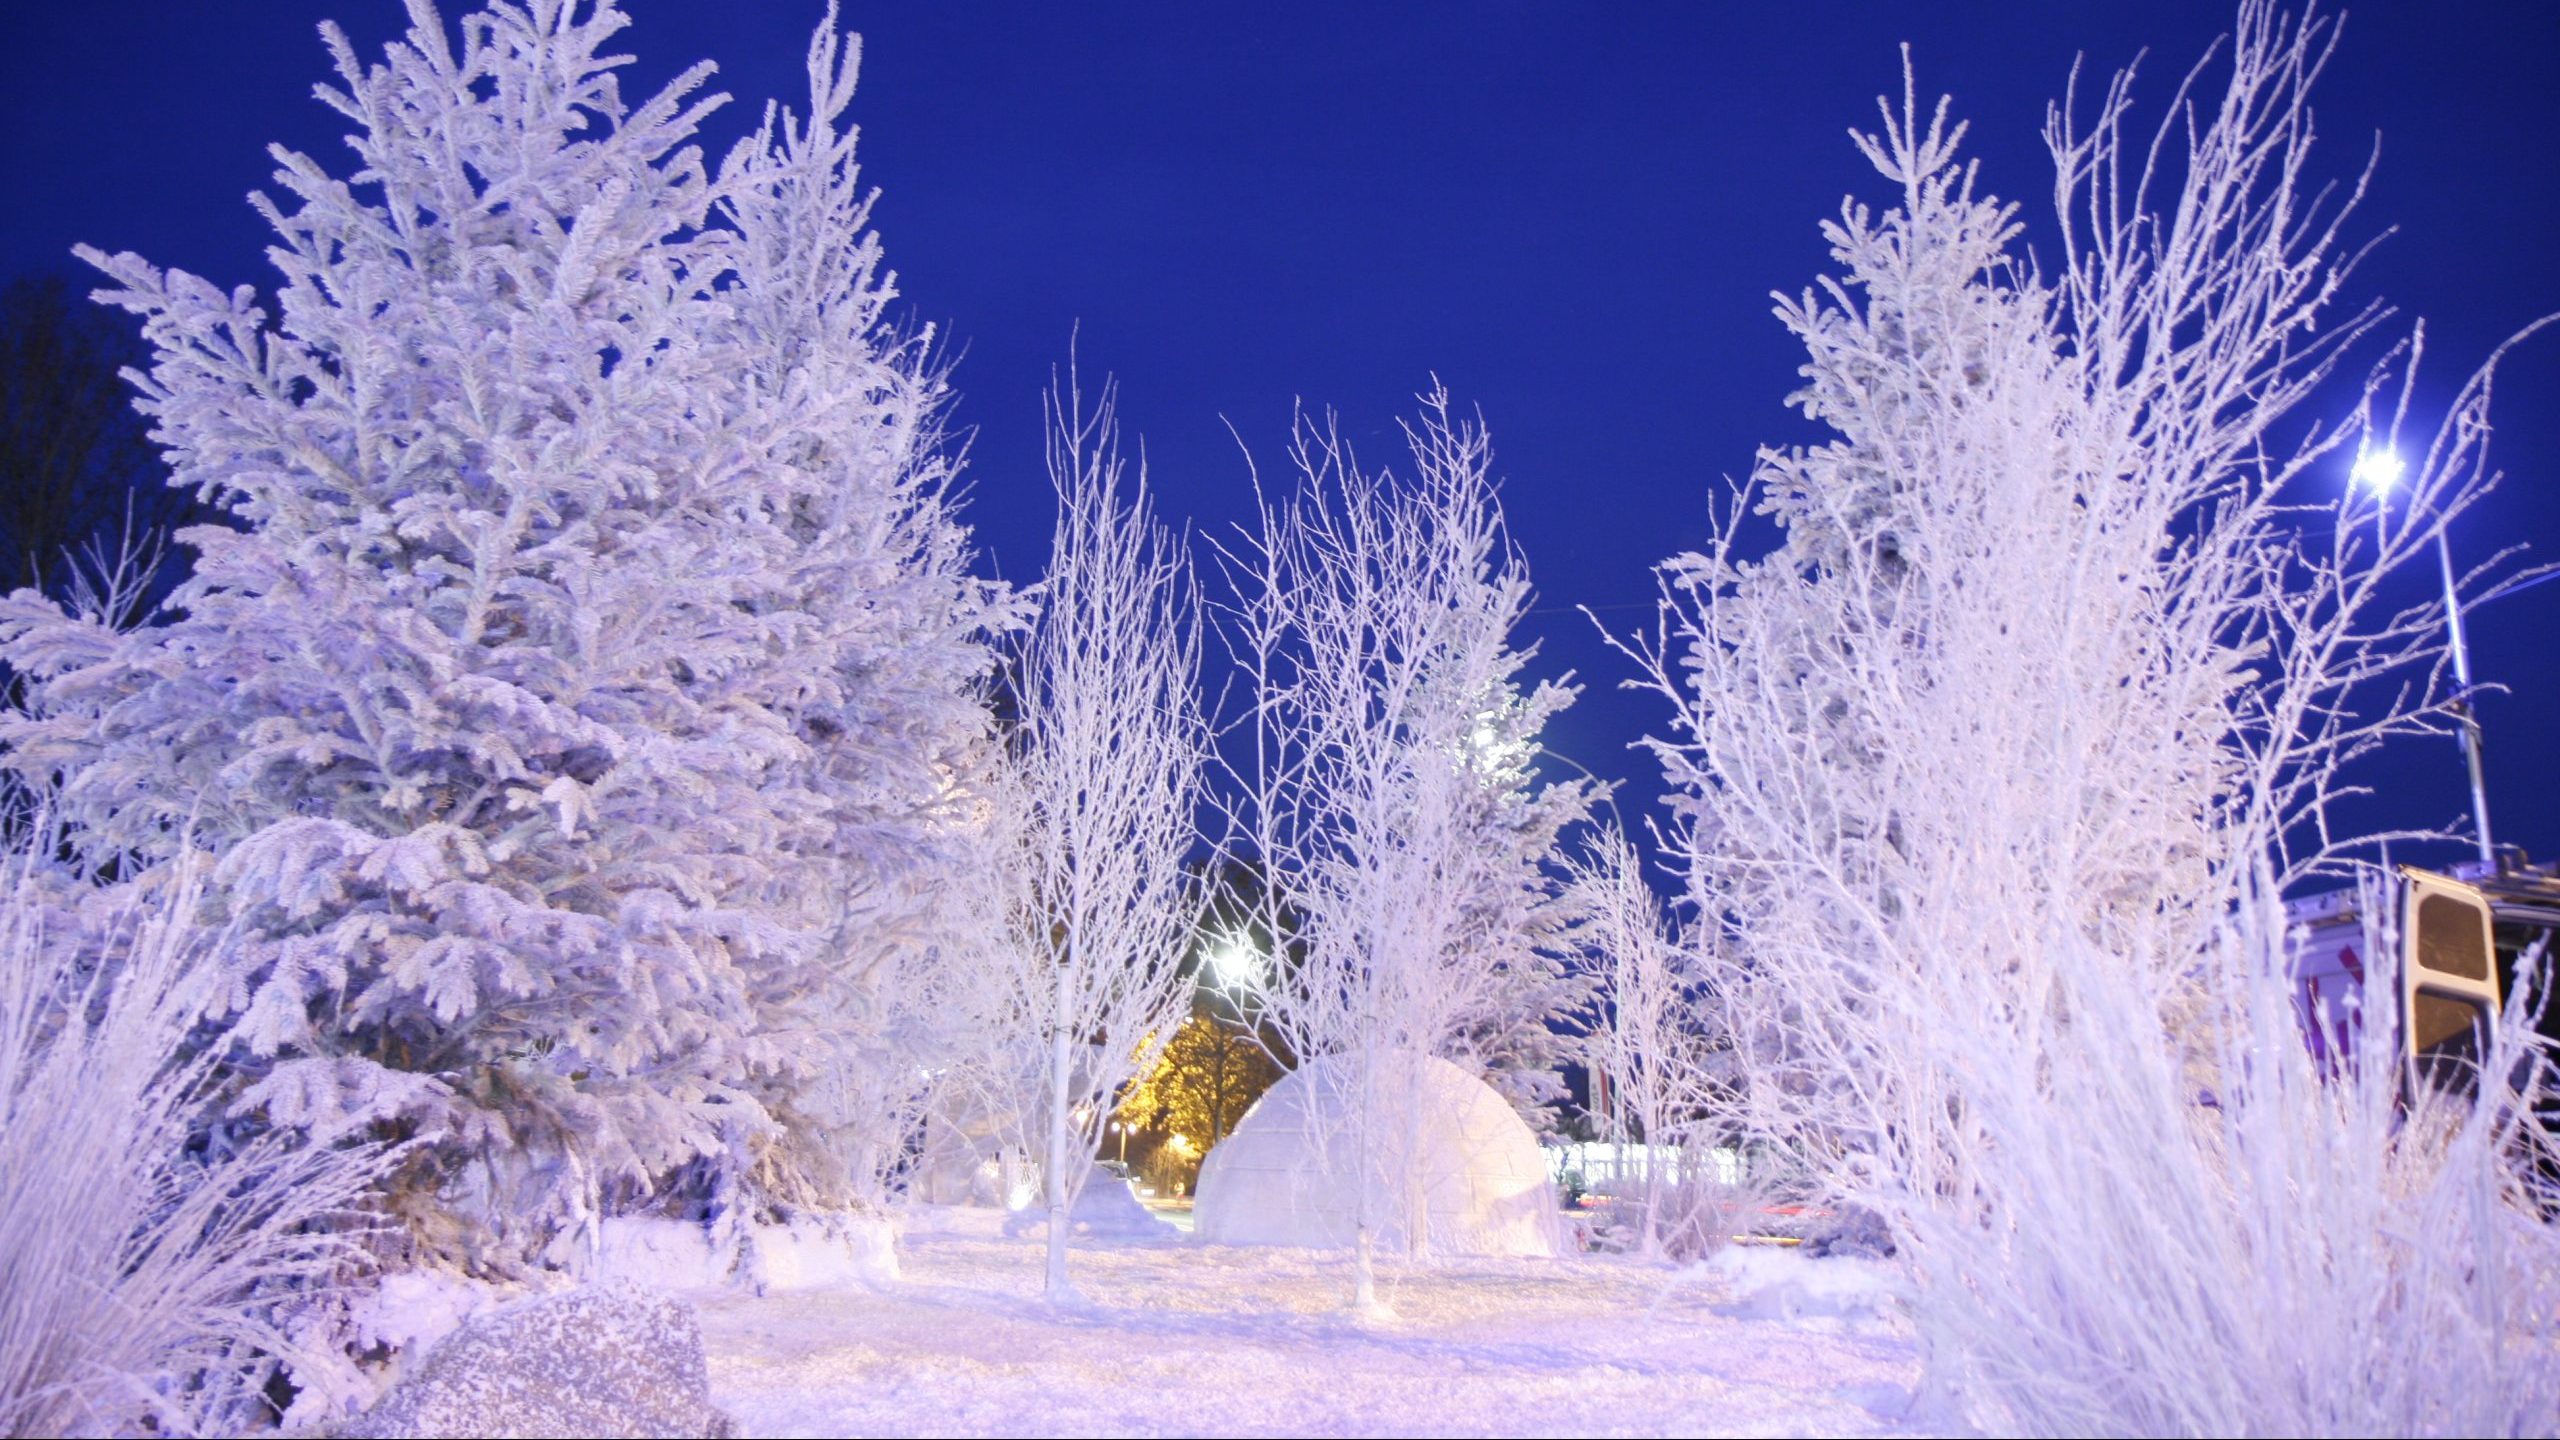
x=1287, y=1175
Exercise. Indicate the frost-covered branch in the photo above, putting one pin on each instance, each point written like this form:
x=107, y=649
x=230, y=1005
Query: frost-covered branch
x=1390, y=794
x=2071, y=640
x=1108, y=759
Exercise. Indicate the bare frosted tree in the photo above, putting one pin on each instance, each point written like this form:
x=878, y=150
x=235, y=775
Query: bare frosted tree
x=2064, y=655
x=1109, y=755
x=1389, y=792
x=1650, y=1042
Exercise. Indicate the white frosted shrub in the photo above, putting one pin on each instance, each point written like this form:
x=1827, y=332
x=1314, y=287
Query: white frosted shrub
x=2291, y=1248
x=146, y=1270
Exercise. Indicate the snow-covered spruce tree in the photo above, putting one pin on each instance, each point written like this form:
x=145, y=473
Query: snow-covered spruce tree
x=874, y=604
x=576, y=712
x=1389, y=792
x=2053, y=672
x=1653, y=1055
x=1107, y=758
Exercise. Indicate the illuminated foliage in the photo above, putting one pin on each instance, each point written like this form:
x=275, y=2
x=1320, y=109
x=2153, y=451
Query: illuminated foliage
x=1209, y=1074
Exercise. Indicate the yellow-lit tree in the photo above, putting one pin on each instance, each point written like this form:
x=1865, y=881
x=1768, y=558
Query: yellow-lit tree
x=1209, y=1072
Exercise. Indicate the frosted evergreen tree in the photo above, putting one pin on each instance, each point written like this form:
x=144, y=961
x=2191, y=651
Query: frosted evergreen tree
x=584, y=703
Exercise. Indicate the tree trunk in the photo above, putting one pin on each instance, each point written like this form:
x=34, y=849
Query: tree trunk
x=1417, y=1191
x=1364, y=1272
x=1650, y=1247
x=1061, y=1062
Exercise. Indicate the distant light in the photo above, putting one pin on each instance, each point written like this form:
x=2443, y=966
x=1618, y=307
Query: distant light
x=1491, y=749
x=1235, y=960
x=2377, y=471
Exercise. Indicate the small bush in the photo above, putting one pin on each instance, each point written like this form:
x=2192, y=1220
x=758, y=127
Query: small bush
x=146, y=1262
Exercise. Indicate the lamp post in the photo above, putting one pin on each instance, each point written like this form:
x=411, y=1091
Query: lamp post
x=2378, y=471
x=1122, y=1126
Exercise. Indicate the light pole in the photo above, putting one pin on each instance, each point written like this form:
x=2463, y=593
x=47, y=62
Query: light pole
x=2378, y=471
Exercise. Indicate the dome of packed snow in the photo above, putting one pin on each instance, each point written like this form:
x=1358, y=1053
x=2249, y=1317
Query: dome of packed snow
x=1289, y=1175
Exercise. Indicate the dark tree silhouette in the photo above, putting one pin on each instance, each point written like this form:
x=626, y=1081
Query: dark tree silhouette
x=77, y=467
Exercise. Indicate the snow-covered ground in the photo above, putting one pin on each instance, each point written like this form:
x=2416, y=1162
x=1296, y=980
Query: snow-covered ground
x=1183, y=1338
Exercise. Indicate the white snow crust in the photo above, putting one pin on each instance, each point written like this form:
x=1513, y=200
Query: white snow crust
x=807, y=1252
x=1200, y=1339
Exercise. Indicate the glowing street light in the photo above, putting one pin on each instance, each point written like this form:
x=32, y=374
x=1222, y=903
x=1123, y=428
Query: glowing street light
x=1235, y=960
x=2378, y=471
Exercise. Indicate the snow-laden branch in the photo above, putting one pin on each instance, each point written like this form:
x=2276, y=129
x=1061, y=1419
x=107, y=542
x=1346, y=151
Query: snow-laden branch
x=1389, y=793
x=1107, y=763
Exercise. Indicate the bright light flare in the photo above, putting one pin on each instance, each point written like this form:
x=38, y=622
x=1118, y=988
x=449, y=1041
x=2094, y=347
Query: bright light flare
x=1235, y=961
x=2377, y=471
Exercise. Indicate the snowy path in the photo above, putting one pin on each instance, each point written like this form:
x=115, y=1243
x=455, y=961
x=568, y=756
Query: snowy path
x=1190, y=1339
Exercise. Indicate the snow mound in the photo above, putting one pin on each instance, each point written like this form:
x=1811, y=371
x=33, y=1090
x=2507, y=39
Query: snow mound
x=608, y=1359
x=411, y=1310
x=1773, y=1283
x=1289, y=1174
x=806, y=1253
x=1108, y=1208
x=818, y=1252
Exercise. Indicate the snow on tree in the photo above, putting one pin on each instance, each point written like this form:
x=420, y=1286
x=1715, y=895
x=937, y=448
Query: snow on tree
x=1654, y=1058
x=581, y=712
x=2048, y=685
x=875, y=600
x=1390, y=795
x=1107, y=761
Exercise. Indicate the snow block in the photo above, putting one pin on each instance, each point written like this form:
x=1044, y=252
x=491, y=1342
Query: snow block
x=610, y=1359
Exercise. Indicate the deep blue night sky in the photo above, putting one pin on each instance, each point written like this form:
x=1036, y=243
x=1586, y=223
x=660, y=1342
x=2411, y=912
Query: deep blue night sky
x=1573, y=214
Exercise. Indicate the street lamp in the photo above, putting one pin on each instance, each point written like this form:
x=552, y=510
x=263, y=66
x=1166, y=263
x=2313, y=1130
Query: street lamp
x=1122, y=1127
x=1235, y=961
x=2378, y=471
